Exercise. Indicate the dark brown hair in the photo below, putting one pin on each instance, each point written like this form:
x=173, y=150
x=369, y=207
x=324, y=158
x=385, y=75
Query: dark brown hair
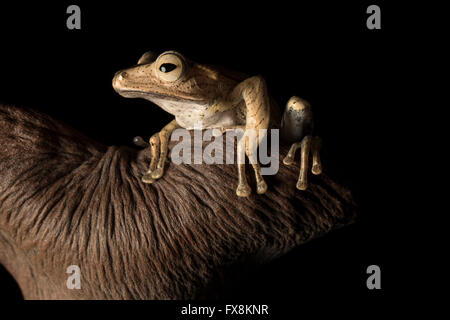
x=67, y=200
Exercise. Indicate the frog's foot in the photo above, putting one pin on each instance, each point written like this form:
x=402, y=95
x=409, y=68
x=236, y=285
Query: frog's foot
x=154, y=150
x=243, y=189
x=317, y=164
x=305, y=145
x=158, y=173
x=289, y=159
x=159, y=145
x=261, y=185
x=147, y=178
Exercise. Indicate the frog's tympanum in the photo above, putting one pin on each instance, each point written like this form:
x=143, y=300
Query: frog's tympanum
x=196, y=93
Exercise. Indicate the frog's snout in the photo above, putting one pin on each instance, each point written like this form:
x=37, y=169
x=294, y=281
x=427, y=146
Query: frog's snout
x=119, y=80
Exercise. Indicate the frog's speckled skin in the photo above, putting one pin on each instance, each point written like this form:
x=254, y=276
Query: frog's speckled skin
x=216, y=98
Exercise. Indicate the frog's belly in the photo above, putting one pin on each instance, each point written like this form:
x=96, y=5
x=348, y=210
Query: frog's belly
x=191, y=114
x=224, y=119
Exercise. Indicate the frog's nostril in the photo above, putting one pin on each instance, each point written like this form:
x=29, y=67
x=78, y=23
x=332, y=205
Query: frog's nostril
x=119, y=78
x=122, y=75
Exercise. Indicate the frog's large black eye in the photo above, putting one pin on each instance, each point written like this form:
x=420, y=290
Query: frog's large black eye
x=167, y=67
x=170, y=66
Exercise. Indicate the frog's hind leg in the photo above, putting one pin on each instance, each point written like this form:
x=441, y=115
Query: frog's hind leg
x=243, y=189
x=154, y=150
x=297, y=127
x=317, y=164
x=249, y=145
x=253, y=92
x=251, y=151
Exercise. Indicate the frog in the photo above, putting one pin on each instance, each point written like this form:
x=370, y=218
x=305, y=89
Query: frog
x=221, y=99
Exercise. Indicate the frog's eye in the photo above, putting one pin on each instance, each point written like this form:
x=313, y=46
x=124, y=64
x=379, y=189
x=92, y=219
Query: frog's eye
x=170, y=66
x=167, y=67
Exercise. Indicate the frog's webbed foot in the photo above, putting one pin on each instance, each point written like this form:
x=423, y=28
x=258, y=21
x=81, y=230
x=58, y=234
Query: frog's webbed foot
x=297, y=124
x=154, y=150
x=243, y=189
x=139, y=142
x=159, y=145
x=164, y=136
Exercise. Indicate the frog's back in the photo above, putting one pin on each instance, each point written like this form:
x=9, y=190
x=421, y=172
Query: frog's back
x=237, y=76
x=233, y=75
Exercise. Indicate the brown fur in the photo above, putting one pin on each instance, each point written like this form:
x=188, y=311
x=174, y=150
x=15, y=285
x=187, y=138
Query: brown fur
x=67, y=200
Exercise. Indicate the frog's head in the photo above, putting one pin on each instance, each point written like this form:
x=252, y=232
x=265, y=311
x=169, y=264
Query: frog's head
x=170, y=81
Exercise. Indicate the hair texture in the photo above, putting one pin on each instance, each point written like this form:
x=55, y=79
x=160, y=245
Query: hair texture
x=67, y=200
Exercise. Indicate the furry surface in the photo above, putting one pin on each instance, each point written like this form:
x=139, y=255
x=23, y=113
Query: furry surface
x=67, y=200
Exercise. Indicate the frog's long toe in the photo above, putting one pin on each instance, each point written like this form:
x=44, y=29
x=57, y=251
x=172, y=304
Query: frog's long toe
x=139, y=142
x=302, y=184
x=317, y=169
x=158, y=173
x=289, y=159
x=147, y=178
x=317, y=165
x=261, y=187
x=243, y=190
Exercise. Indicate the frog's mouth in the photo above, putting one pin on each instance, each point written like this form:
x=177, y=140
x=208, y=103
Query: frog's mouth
x=155, y=96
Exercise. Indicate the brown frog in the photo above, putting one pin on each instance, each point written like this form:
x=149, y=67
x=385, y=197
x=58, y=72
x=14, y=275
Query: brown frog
x=217, y=98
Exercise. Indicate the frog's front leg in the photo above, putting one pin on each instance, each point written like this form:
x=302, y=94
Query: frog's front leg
x=154, y=150
x=164, y=136
x=254, y=93
x=297, y=126
x=159, y=144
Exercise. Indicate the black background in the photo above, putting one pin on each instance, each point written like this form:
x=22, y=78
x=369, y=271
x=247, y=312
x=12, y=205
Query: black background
x=322, y=52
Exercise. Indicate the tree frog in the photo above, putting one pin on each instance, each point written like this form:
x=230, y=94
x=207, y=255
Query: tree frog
x=221, y=99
